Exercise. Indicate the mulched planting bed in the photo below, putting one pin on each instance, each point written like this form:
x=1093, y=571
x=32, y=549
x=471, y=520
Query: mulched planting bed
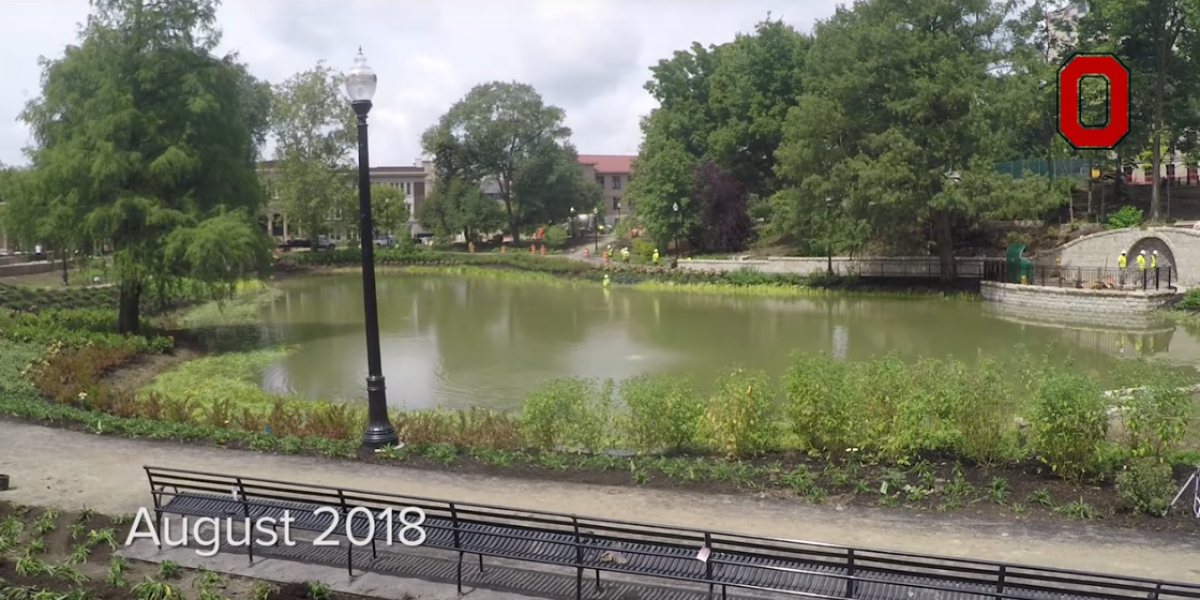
x=44, y=555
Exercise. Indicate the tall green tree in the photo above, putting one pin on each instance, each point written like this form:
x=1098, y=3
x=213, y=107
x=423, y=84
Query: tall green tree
x=456, y=206
x=389, y=211
x=505, y=132
x=150, y=135
x=34, y=218
x=315, y=135
x=895, y=126
x=1158, y=41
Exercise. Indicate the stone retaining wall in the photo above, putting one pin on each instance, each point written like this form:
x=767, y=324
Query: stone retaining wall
x=902, y=266
x=1072, y=303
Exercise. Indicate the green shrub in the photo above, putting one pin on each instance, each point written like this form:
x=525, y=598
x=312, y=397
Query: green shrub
x=985, y=415
x=569, y=413
x=1128, y=216
x=741, y=413
x=664, y=412
x=1069, y=421
x=1146, y=486
x=1190, y=300
x=1155, y=415
x=555, y=235
x=642, y=250
x=818, y=403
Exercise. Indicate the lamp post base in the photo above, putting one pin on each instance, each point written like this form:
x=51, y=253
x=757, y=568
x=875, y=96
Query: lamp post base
x=380, y=435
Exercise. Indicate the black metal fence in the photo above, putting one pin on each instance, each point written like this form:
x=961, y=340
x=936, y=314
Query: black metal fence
x=717, y=560
x=1088, y=278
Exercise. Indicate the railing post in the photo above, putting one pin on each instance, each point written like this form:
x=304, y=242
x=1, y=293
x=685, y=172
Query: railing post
x=1156, y=278
x=578, y=560
x=1000, y=583
x=349, y=546
x=850, y=573
x=1144, y=280
x=1157, y=591
x=708, y=564
x=246, y=511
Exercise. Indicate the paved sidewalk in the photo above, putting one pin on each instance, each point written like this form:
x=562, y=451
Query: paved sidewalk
x=56, y=467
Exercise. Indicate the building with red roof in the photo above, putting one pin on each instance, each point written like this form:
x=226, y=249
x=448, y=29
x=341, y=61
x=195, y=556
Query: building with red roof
x=612, y=173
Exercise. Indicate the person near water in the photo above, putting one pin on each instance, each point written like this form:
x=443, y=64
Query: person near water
x=1141, y=260
x=655, y=257
x=1122, y=263
x=1154, y=259
x=606, y=280
x=625, y=254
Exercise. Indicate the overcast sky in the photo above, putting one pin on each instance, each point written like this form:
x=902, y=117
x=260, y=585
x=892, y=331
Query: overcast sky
x=590, y=57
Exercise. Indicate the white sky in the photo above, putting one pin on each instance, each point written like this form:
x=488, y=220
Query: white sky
x=590, y=57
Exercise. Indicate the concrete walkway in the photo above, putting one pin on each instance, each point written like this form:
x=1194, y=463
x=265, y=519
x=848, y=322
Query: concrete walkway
x=55, y=467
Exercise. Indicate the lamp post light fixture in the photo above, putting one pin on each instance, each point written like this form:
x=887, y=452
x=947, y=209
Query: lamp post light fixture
x=678, y=226
x=829, y=236
x=596, y=230
x=572, y=222
x=360, y=86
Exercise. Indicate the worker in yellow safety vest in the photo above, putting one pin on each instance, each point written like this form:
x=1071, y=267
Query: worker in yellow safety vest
x=1154, y=259
x=655, y=257
x=1141, y=260
x=1122, y=264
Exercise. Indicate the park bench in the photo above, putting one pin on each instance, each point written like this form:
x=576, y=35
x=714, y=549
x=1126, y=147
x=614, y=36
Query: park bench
x=684, y=555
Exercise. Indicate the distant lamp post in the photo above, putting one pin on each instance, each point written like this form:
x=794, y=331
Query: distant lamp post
x=678, y=227
x=572, y=222
x=596, y=229
x=360, y=86
x=829, y=236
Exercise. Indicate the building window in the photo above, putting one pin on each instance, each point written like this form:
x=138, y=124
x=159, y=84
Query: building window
x=1128, y=173
x=616, y=182
x=335, y=214
x=616, y=202
x=600, y=180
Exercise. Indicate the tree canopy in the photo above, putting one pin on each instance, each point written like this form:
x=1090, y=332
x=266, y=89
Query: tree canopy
x=887, y=124
x=503, y=133
x=144, y=138
x=315, y=136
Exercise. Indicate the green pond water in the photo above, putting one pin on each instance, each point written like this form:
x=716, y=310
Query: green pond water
x=459, y=342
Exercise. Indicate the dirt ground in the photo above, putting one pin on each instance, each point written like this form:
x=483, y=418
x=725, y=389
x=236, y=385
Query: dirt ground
x=57, y=467
x=74, y=550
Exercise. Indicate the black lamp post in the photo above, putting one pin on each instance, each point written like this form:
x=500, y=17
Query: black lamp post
x=678, y=226
x=572, y=223
x=829, y=236
x=360, y=86
x=596, y=230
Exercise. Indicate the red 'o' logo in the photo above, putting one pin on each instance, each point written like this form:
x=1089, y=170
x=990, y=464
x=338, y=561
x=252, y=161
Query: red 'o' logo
x=1076, y=68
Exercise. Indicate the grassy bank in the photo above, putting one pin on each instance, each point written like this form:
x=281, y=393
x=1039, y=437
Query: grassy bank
x=518, y=266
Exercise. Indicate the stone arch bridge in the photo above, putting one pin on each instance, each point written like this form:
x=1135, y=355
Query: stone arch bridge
x=1180, y=247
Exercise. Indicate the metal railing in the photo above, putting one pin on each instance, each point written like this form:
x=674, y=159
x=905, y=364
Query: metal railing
x=1090, y=278
x=715, y=559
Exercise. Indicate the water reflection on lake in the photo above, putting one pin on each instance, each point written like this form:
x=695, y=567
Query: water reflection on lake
x=461, y=342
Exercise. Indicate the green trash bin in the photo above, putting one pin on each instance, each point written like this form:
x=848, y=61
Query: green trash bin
x=1013, y=263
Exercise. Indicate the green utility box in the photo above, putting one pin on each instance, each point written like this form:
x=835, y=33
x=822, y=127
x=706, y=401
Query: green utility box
x=1017, y=269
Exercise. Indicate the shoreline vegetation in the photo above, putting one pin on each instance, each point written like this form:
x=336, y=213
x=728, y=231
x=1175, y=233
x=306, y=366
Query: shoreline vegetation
x=1031, y=439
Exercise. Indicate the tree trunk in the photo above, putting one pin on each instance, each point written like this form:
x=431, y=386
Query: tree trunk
x=1155, y=188
x=943, y=236
x=66, y=281
x=129, y=308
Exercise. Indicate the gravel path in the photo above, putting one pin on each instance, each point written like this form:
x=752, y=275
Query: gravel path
x=69, y=469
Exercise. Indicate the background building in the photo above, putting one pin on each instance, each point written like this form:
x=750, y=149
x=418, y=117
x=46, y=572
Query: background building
x=612, y=173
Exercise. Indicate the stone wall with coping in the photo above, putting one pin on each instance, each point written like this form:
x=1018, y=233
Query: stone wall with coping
x=1075, y=304
x=904, y=266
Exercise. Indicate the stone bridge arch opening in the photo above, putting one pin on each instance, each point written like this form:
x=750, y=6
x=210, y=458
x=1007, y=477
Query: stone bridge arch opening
x=1151, y=244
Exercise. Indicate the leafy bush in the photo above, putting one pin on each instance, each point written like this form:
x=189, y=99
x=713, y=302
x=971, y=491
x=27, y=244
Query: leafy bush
x=1146, y=486
x=642, y=250
x=1190, y=300
x=665, y=412
x=818, y=402
x=1155, y=415
x=1069, y=422
x=568, y=413
x=555, y=235
x=1128, y=216
x=741, y=413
